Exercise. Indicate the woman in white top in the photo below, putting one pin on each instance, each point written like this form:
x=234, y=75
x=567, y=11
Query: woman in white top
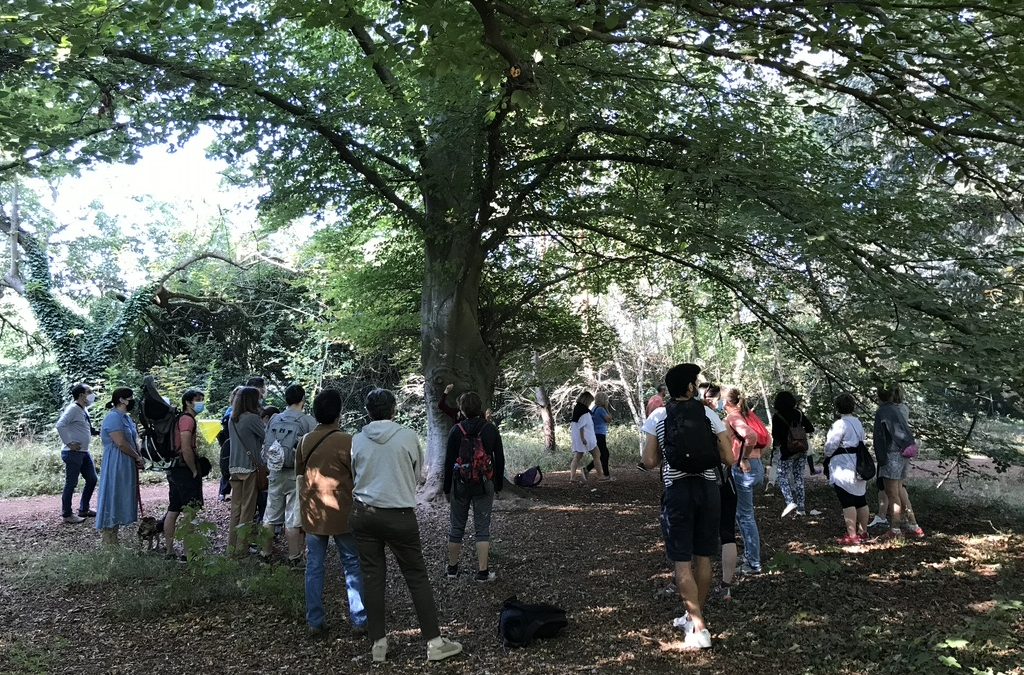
x=584, y=439
x=841, y=463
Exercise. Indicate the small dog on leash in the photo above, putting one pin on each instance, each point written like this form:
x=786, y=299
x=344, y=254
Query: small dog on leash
x=151, y=531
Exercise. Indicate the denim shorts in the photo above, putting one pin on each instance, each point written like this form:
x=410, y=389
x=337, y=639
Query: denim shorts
x=897, y=467
x=690, y=511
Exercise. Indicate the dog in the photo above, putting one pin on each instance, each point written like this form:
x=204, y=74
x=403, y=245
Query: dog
x=150, y=532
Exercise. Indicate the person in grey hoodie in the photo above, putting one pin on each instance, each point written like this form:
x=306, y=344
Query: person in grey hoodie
x=75, y=430
x=387, y=462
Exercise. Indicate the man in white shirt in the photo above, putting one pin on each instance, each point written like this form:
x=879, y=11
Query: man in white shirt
x=690, y=504
x=75, y=430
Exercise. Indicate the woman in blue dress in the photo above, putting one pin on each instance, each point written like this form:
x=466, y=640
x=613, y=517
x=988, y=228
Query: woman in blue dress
x=119, y=472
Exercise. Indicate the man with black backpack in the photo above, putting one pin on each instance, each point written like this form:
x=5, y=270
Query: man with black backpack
x=283, y=434
x=688, y=441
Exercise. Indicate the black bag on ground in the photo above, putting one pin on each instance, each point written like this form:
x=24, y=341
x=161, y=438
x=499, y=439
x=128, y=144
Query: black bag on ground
x=529, y=478
x=690, y=444
x=520, y=623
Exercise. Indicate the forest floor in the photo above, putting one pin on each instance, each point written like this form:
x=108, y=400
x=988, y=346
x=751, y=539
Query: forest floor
x=953, y=602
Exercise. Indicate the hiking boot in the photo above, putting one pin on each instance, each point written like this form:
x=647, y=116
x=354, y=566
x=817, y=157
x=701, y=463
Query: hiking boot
x=452, y=572
x=879, y=521
x=683, y=623
x=297, y=564
x=441, y=648
x=88, y=513
x=485, y=576
x=318, y=633
x=380, y=650
x=696, y=640
x=790, y=508
x=73, y=519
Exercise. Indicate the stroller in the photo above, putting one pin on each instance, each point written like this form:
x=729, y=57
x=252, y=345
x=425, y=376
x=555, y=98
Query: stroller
x=158, y=418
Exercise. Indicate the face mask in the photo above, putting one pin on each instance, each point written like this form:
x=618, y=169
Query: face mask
x=200, y=406
x=90, y=399
x=721, y=405
x=131, y=405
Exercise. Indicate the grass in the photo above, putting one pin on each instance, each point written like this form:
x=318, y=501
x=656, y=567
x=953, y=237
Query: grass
x=32, y=466
x=524, y=449
x=147, y=586
x=24, y=656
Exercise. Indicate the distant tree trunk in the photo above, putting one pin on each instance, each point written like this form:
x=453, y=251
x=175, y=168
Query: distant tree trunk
x=547, y=418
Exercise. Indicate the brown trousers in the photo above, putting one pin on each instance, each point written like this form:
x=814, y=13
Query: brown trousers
x=243, y=511
x=398, y=530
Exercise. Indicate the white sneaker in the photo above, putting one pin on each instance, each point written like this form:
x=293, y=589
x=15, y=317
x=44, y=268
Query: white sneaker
x=683, y=623
x=790, y=508
x=441, y=648
x=800, y=514
x=697, y=640
x=380, y=650
x=879, y=521
x=815, y=512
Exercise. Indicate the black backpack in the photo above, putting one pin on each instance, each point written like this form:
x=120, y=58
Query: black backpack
x=158, y=419
x=520, y=623
x=865, y=462
x=690, y=444
x=532, y=477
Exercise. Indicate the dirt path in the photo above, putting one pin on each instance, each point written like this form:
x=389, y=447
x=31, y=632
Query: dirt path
x=596, y=553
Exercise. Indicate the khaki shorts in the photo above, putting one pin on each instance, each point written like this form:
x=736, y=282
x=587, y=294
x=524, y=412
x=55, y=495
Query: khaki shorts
x=282, y=500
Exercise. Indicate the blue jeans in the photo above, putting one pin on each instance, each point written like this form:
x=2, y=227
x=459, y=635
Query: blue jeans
x=316, y=548
x=745, y=486
x=77, y=463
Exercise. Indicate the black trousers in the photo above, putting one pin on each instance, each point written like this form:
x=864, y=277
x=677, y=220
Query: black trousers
x=602, y=445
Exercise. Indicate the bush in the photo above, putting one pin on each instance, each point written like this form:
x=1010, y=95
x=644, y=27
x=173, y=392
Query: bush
x=28, y=399
x=525, y=448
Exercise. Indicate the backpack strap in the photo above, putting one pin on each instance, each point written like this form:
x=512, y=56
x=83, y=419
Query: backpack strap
x=324, y=438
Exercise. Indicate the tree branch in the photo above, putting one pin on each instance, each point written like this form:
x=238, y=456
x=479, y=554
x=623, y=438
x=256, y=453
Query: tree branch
x=341, y=141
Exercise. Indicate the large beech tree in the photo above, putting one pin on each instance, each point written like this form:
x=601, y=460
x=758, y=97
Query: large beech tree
x=694, y=134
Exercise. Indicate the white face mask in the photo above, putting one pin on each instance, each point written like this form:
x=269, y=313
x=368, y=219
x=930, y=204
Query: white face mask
x=90, y=399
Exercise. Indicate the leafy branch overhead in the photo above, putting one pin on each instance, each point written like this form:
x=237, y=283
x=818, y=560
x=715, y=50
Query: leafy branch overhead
x=827, y=164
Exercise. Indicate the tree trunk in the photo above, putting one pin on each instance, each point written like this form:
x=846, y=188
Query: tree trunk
x=453, y=349
x=547, y=418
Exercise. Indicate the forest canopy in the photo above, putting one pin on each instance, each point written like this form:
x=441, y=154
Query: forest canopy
x=520, y=198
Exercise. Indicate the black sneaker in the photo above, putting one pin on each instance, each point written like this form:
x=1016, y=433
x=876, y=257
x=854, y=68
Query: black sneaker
x=640, y=467
x=88, y=513
x=485, y=576
x=453, y=572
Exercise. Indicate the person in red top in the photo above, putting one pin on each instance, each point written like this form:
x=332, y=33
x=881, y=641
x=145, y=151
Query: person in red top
x=750, y=438
x=186, y=485
x=658, y=400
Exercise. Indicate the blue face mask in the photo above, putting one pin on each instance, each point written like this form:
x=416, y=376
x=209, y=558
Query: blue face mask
x=721, y=405
x=200, y=407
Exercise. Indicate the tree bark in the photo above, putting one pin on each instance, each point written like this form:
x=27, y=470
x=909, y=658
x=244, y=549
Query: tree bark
x=453, y=348
x=547, y=418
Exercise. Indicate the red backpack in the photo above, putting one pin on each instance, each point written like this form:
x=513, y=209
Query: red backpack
x=474, y=466
x=754, y=423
